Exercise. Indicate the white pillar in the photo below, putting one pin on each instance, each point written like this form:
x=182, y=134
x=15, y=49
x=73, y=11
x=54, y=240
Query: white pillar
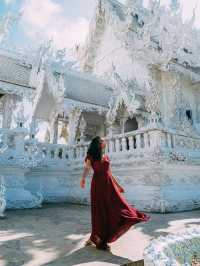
x=55, y=131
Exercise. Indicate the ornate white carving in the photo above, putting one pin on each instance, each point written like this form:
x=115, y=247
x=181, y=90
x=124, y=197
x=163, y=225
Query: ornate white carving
x=176, y=249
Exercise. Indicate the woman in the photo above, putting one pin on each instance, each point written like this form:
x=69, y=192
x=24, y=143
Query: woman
x=111, y=214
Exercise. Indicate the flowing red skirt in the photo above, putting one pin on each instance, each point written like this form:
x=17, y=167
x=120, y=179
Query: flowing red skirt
x=111, y=214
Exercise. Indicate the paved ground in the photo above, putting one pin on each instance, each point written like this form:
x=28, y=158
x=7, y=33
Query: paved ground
x=54, y=235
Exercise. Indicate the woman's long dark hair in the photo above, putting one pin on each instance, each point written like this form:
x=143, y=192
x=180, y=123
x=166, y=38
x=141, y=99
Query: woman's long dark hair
x=95, y=150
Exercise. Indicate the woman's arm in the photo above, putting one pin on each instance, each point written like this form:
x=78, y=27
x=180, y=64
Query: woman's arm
x=86, y=170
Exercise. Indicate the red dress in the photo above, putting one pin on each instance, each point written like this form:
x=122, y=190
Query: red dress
x=111, y=214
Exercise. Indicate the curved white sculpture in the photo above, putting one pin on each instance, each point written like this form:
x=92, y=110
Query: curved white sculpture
x=182, y=248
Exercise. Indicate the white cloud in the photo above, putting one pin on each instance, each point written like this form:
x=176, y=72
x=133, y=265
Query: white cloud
x=46, y=19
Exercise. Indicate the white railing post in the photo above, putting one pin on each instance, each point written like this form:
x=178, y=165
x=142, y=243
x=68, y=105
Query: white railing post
x=138, y=141
x=124, y=147
x=169, y=140
x=146, y=140
x=111, y=145
x=117, y=144
x=80, y=152
x=131, y=143
x=107, y=147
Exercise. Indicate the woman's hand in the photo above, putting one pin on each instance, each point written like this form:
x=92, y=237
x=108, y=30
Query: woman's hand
x=82, y=183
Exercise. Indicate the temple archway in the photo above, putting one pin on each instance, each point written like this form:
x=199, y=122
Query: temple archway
x=131, y=125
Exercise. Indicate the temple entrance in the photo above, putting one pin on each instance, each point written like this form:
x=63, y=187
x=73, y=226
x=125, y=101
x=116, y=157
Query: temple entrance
x=131, y=125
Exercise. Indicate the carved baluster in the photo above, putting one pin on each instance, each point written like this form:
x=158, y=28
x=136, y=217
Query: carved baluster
x=60, y=153
x=155, y=140
x=173, y=140
x=48, y=152
x=138, y=141
x=131, y=143
x=86, y=149
x=81, y=152
x=142, y=140
x=146, y=140
x=75, y=152
x=168, y=140
x=117, y=145
x=124, y=147
x=111, y=146
x=57, y=153
x=107, y=146
x=70, y=153
x=65, y=153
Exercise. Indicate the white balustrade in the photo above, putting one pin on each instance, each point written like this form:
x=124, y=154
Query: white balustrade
x=130, y=142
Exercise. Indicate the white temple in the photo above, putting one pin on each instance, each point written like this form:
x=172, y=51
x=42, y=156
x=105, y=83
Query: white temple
x=138, y=86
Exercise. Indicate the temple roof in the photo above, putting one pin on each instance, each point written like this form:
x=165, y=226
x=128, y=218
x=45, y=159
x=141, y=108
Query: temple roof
x=14, y=71
x=86, y=88
x=106, y=13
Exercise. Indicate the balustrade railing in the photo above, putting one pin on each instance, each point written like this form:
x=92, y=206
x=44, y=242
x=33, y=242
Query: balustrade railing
x=131, y=142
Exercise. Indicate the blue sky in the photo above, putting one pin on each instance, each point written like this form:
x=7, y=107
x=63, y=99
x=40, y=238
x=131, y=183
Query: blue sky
x=66, y=21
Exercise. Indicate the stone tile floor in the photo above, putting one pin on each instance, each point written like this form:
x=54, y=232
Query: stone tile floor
x=54, y=235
